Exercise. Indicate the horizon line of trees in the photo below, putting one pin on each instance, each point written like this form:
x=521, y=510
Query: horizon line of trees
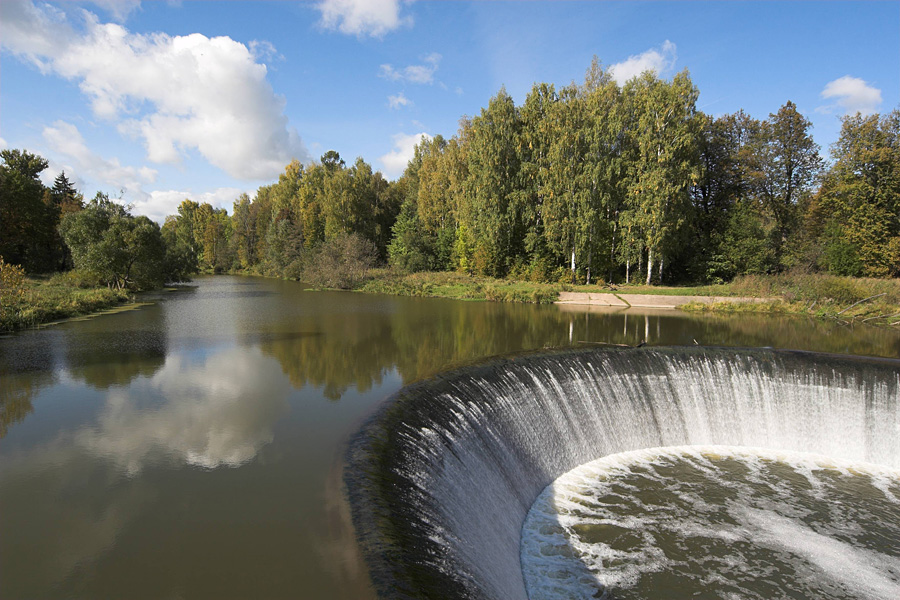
x=52, y=229
x=586, y=182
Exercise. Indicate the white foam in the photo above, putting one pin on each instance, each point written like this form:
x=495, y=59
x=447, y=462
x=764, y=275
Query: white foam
x=764, y=512
x=869, y=574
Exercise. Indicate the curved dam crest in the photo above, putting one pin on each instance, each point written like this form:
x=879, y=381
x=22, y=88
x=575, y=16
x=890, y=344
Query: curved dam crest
x=442, y=477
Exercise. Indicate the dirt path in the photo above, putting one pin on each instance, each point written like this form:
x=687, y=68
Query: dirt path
x=645, y=300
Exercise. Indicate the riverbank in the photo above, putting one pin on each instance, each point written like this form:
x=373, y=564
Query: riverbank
x=845, y=299
x=62, y=296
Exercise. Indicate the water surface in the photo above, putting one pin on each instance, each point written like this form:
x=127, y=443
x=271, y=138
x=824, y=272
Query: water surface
x=193, y=447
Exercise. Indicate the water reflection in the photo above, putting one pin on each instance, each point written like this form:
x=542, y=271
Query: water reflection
x=16, y=393
x=202, y=434
x=218, y=412
x=76, y=494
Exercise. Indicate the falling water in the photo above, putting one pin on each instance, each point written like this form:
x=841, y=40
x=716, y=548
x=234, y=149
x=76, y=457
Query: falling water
x=442, y=478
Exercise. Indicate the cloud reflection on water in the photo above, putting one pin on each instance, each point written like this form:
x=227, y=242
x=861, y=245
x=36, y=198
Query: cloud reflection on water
x=219, y=412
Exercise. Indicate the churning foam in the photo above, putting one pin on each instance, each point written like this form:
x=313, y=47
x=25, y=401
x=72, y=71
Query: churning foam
x=442, y=478
x=727, y=522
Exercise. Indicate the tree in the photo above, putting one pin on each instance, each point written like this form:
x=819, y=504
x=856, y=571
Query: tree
x=243, y=227
x=664, y=161
x=858, y=205
x=567, y=205
x=27, y=223
x=729, y=226
x=784, y=165
x=341, y=262
x=117, y=248
x=411, y=248
x=492, y=185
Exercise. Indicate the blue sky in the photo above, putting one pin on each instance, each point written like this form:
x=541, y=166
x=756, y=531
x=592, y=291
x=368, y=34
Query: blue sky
x=159, y=101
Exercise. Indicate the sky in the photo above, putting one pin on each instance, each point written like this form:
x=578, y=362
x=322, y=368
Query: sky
x=153, y=102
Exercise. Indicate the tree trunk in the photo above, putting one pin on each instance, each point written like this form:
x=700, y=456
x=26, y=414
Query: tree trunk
x=612, y=253
x=649, y=265
x=627, y=271
x=573, y=263
x=590, y=254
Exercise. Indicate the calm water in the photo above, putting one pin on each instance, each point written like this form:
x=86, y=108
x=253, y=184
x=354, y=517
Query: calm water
x=192, y=448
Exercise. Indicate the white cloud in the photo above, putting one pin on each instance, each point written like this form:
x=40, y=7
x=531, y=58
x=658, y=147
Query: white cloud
x=3, y=144
x=65, y=139
x=404, y=149
x=853, y=95
x=399, y=101
x=659, y=60
x=362, y=17
x=162, y=203
x=423, y=73
x=119, y=10
x=177, y=93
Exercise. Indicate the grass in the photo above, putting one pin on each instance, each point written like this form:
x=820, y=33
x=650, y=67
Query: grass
x=459, y=286
x=60, y=296
x=845, y=299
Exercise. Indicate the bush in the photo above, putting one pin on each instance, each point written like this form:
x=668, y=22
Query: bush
x=342, y=262
x=75, y=279
x=12, y=290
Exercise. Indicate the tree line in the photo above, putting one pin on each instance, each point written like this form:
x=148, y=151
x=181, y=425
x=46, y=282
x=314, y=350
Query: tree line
x=588, y=182
x=596, y=182
x=44, y=230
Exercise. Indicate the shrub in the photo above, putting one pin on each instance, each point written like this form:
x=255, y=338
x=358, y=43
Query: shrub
x=12, y=289
x=342, y=262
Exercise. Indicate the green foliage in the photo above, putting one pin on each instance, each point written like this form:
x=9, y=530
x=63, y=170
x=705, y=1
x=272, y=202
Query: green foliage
x=783, y=167
x=29, y=214
x=858, y=204
x=119, y=249
x=742, y=246
x=342, y=262
x=411, y=249
x=12, y=292
x=840, y=255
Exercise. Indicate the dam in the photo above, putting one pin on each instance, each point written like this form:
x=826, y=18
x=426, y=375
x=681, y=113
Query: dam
x=442, y=479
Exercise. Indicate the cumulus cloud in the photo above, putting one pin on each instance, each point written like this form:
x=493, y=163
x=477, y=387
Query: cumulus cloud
x=398, y=101
x=423, y=73
x=362, y=17
x=216, y=413
x=404, y=149
x=175, y=93
x=852, y=95
x=65, y=139
x=161, y=203
x=660, y=60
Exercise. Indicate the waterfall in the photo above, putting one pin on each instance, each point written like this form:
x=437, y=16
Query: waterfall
x=441, y=478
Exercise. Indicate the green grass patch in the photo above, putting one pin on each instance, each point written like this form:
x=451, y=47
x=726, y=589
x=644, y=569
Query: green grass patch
x=459, y=286
x=61, y=296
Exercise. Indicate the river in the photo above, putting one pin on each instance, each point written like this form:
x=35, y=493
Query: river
x=193, y=447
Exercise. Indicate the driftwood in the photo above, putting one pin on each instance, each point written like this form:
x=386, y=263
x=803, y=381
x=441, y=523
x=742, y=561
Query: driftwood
x=861, y=301
x=881, y=317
